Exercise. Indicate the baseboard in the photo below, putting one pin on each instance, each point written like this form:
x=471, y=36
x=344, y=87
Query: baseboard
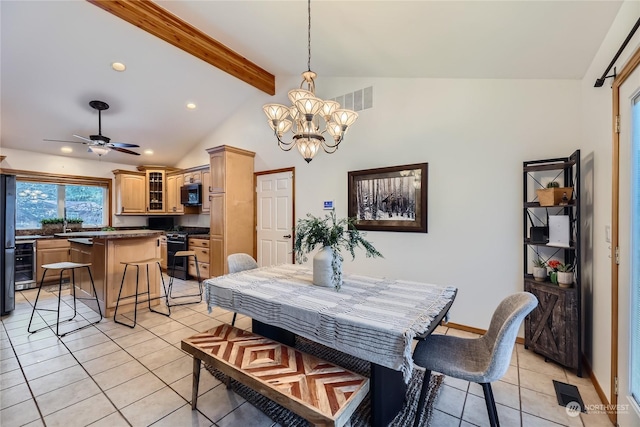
x=473, y=330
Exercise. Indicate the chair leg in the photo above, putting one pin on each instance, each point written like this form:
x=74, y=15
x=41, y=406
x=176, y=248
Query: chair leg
x=233, y=321
x=423, y=395
x=115, y=313
x=149, y=293
x=35, y=303
x=491, y=405
x=59, y=298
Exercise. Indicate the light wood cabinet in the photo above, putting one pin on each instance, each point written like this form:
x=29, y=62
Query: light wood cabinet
x=130, y=192
x=156, y=190
x=232, y=222
x=193, y=177
x=206, y=188
x=82, y=253
x=163, y=252
x=49, y=251
x=201, y=248
x=174, y=183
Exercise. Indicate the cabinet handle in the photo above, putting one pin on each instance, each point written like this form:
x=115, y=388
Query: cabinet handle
x=288, y=236
x=210, y=190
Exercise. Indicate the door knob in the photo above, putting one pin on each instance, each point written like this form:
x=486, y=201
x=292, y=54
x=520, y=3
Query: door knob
x=288, y=236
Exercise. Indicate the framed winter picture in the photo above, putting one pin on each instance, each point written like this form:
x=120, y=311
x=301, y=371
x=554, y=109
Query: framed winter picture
x=389, y=199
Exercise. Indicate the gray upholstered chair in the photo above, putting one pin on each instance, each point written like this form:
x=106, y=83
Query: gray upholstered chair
x=237, y=263
x=481, y=360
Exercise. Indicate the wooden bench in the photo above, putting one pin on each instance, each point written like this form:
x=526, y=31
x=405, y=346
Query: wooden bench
x=320, y=392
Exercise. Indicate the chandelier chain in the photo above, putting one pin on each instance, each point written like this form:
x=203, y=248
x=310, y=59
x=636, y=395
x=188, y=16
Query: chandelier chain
x=309, y=36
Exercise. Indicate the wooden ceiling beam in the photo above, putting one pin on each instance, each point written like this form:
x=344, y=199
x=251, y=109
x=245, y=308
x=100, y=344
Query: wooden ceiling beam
x=163, y=24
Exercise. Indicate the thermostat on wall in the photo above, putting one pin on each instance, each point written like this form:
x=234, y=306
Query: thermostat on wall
x=328, y=204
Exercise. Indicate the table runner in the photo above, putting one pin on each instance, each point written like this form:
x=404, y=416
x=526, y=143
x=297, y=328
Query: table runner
x=374, y=319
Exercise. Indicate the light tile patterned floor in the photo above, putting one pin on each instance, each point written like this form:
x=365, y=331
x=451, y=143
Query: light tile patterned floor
x=111, y=375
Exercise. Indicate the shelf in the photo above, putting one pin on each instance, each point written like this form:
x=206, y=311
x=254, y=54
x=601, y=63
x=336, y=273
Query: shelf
x=529, y=205
x=561, y=165
x=548, y=283
x=572, y=245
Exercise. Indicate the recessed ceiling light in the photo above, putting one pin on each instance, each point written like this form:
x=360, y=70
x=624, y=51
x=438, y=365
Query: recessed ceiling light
x=191, y=106
x=118, y=66
x=66, y=150
x=149, y=152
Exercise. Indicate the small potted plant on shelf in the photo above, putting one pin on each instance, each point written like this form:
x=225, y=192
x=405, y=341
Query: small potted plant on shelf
x=539, y=270
x=562, y=274
x=554, y=195
x=332, y=235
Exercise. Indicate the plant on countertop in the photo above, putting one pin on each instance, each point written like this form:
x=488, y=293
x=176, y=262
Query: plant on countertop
x=44, y=221
x=75, y=220
x=332, y=232
x=108, y=229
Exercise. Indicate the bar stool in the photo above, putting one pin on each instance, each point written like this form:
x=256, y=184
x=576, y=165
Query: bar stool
x=187, y=255
x=137, y=265
x=62, y=266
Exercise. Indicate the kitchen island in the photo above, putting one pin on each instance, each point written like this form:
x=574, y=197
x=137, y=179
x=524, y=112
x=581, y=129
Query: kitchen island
x=106, y=250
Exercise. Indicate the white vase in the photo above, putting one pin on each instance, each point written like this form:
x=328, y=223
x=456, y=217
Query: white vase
x=323, y=268
x=540, y=274
x=565, y=279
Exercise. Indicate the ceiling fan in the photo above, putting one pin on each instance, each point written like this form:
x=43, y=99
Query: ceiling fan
x=99, y=143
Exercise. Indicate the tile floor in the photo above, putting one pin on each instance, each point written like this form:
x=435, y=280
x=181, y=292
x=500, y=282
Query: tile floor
x=111, y=375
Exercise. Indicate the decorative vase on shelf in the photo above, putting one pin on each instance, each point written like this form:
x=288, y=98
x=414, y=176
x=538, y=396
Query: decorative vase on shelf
x=323, y=264
x=565, y=279
x=540, y=274
x=553, y=276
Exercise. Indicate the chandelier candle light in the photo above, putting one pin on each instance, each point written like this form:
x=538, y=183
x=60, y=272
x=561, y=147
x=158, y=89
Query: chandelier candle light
x=303, y=117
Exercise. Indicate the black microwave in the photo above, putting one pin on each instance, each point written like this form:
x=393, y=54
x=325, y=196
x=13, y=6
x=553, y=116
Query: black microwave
x=191, y=194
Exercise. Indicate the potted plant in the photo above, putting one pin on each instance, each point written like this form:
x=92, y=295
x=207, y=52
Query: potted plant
x=332, y=235
x=74, y=223
x=554, y=195
x=562, y=274
x=52, y=225
x=539, y=270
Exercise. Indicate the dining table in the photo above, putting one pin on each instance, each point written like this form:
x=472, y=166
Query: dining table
x=372, y=318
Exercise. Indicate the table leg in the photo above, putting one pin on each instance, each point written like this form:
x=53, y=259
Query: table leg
x=273, y=332
x=388, y=391
x=196, y=382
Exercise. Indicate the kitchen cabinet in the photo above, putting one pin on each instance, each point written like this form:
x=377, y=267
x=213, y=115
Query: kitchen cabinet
x=193, y=177
x=206, y=188
x=232, y=223
x=82, y=253
x=156, y=190
x=130, y=192
x=49, y=251
x=163, y=252
x=174, y=183
x=201, y=248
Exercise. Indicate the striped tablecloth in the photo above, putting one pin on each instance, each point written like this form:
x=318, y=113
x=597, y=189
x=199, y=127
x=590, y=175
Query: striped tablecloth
x=371, y=318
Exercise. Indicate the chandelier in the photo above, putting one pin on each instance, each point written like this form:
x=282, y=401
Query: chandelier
x=305, y=117
x=100, y=150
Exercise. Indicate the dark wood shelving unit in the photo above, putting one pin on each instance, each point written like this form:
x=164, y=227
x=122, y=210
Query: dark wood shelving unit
x=555, y=328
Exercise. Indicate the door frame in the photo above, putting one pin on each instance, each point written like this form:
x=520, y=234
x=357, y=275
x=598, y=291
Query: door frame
x=291, y=169
x=618, y=81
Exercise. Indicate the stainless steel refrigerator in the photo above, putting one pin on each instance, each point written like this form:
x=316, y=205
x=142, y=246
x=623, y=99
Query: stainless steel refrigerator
x=8, y=243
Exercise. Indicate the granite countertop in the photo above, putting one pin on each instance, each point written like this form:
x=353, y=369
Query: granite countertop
x=82, y=241
x=122, y=234
x=33, y=237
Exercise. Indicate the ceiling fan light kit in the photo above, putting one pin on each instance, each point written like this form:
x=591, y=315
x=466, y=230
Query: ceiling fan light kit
x=100, y=144
x=304, y=117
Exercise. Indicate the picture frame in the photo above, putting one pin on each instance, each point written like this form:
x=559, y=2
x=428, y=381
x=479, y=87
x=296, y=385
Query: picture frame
x=389, y=199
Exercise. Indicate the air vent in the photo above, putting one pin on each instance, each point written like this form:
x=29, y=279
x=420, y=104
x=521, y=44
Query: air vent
x=357, y=101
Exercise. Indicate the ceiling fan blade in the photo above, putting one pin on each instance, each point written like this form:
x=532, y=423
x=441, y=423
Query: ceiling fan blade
x=122, y=145
x=124, y=150
x=63, y=140
x=83, y=138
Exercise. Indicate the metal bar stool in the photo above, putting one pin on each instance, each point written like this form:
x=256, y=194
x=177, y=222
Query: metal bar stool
x=137, y=265
x=187, y=255
x=62, y=266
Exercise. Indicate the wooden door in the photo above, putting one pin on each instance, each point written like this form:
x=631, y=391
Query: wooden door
x=206, y=189
x=131, y=193
x=217, y=172
x=173, y=194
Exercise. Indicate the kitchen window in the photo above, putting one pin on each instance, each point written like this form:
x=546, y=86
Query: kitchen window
x=39, y=197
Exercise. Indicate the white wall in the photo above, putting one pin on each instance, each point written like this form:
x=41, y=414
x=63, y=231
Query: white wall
x=30, y=161
x=595, y=133
x=473, y=133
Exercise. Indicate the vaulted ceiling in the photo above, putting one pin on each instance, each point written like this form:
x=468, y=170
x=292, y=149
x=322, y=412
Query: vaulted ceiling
x=56, y=57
